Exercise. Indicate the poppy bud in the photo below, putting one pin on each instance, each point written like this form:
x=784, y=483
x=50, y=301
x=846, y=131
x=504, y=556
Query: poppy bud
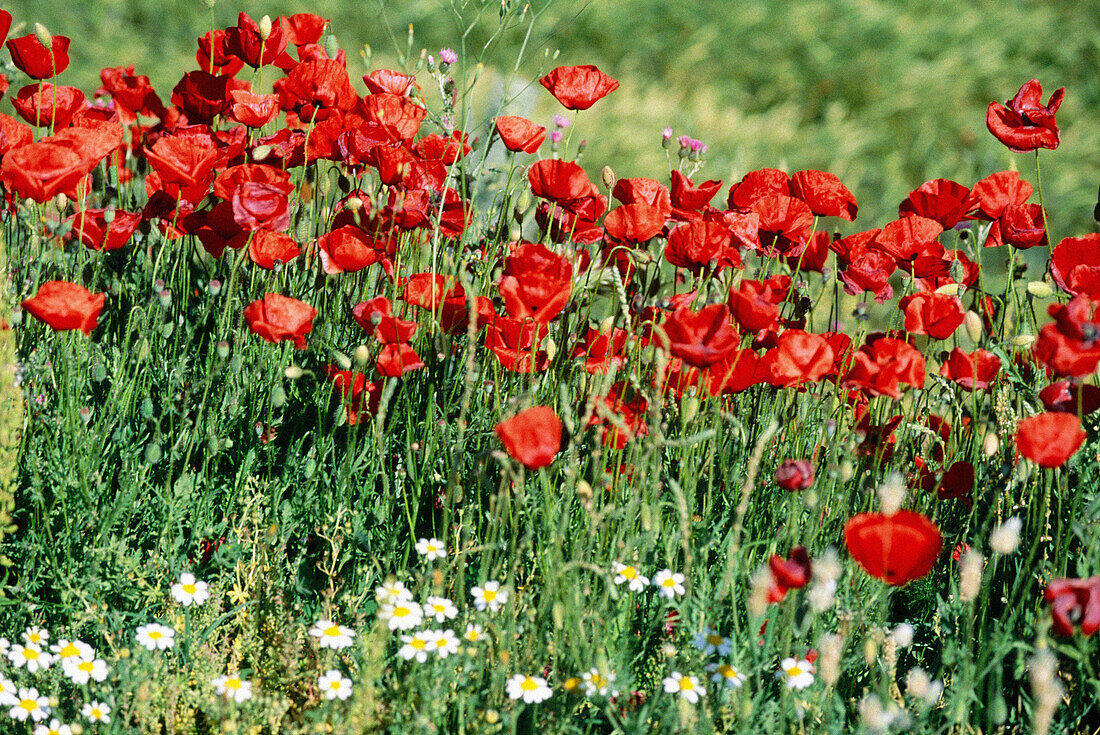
x=1023, y=340
x=152, y=454
x=341, y=359
x=215, y=286
x=43, y=36
x=265, y=27
x=294, y=372
x=795, y=474
x=1040, y=289
x=278, y=397
x=223, y=349
x=332, y=47
x=261, y=152
x=689, y=409
x=973, y=324
x=362, y=355
x=235, y=364
x=608, y=175
x=991, y=444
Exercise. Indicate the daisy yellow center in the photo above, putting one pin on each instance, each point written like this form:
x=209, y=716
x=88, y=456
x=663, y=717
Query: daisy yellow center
x=598, y=681
x=432, y=548
x=472, y=635
x=439, y=608
x=34, y=638
x=670, y=582
x=69, y=650
x=489, y=595
x=233, y=683
x=334, y=630
x=714, y=640
x=156, y=635
x=97, y=713
x=30, y=654
x=86, y=666
x=29, y=704
x=401, y=611
x=686, y=685
x=190, y=589
x=441, y=643
x=727, y=671
x=334, y=685
x=794, y=671
x=529, y=685
x=630, y=573
x=418, y=643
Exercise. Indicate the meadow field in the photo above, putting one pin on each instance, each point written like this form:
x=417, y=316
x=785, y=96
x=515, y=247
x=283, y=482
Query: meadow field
x=484, y=367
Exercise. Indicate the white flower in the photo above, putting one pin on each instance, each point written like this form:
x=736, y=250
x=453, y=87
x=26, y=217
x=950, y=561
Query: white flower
x=440, y=608
x=903, y=635
x=710, y=640
x=417, y=645
x=531, y=689
x=724, y=673
x=37, y=636
x=392, y=593
x=54, y=728
x=335, y=685
x=189, y=592
x=404, y=615
x=445, y=642
x=688, y=686
x=331, y=635
x=8, y=693
x=490, y=597
x=628, y=573
x=77, y=650
x=1005, y=538
x=473, y=633
x=29, y=704
x=432, y=548
x=5, y=645
x=596, y=683
x=156, y=637
x=31, y=656
x=669, y=583
x=233, y=687
x=797, y=672
x=80, y=671
x=96, y=712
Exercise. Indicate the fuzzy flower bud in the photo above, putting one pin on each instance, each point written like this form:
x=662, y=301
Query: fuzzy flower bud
x=43, y=36
x=891, y=494
x=829, y=649
x=970, y=575
x=1046, y=689
x=1005, y=538
x=265, y=27
x=903, y=635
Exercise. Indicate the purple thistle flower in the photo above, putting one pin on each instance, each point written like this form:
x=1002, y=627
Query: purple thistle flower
x=447, y=56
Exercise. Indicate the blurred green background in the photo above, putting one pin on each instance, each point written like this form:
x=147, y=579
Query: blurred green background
x=886, y=93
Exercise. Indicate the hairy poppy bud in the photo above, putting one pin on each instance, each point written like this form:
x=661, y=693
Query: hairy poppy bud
x=332, y=47
x=608, y=176
x=294, y=372
x=43, y=36
x=1040, y=289
x=362, y=355
x=973, y=324
x=991, y=444
x=265, y=27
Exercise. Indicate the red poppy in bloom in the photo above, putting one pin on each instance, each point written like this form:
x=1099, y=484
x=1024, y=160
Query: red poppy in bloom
x=785, y=224
x=935, y=314
x=355, y=387
x=578, y=87
x=276, y=318
x=519, y=134
x=374, y=316
x=1050, y=439
x=633, y=223
x=907, y=238
x=896, y=548
x=640, y=190
x=34, y=60
x=799, y=357
x=814, y=257
x=388, y=80
x=1068, y=397
x=253, y=110
x=5, y=24
x=43, y=104
x=399, y=116
x=558, y=181
x=515, y=344
x=537, y=282
x=532, y=437
x=260, y=206
x=42, y=170
x=1024, y=226
x=756, y=185
x=795, y=474
x=1075, y=265
x=185, y=168
x=1024, y=123
x=314, y=90
x=825, y=194
x=1074, y=602
x=973, y=371
x=302, y=28
x=791, y=573
x=268, y=248
x=687, y=198
x=246, y=42
x=212, y=56
x=202, y=96
x=700, y=338
x=738, y=371
x=347, y=249
x=65, y=306
x=95, y=232
x=700, y=246
x=13, y=134
x=132, y=94
x=397, y=359
x=942, y=200
x=602, y=350
x=1070, y=346
x=755, y=304
x=880, y=366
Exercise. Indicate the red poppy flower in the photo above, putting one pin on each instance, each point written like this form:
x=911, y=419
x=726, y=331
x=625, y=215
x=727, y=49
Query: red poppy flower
x=212, y=56
x=95, y=232
x=558, y=181
x=34, y=60
x=537, y=282
x=388, y=80
x=687, y=198
x=825, y=194
x=880, y=366
x=1074, y=602
x=640, y=190
x=755, y=185
x=347, y=249
x=202, y=96
x=185, y=168
x=253, y=110
x=43, y=104
x=374, y=316
x=755, y=304
x=302, y=28
x=42, y=170
x=934, y=314
x=785, y=224
x=700, y=338
x=602, y=350
x=13, y=134
x=314, y=90
x=791, y=573
x=942, y=200
x=397, y=359
x=276, y=318
x=633, y=223
x=65, y=306
x=907, y=238
x=578, y=87
x=132, y=94
x=896, y=548
x=532, y=437
x=1075, y=265
x=700, y=246
x=515, y=344
x=246, y=42
x=445, y=149
x=5, y=24
x=1068, y=397
x=795, y=474
x=1024, y=123
x=1024, y=226
x=400, y=116
x=268, y=248
x=1050, y=439
x=1069, y=346
x=973, y=371
x=260, y=206
x=798, y=358
x=519, y=134
x=355, y=387
x=814, y=257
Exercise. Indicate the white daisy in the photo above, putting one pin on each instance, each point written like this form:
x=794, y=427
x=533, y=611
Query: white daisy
x=37, y=636
x=188, y=591
x=440, y=608
x=5, y=644
x=404, y=615
x=625, y=573
x=334, y=685
x=31, y=656
x=687, y=686
x=596, y=683
x=9, y=695
x=710, y=640
x=80, y=671
x=431, y=548
x=669, y=583
x=331, y=635
x=490, y=597
x=96, y=712
x=78, y=650
x=30, y=704
x=531, y=689
x=392, y=593
x=724, y=673
x=798, y=673
x=416, y=645
x=233, y=687
x=474, y=633
x=156, y=637
x=444, y=643
x=54, y=728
